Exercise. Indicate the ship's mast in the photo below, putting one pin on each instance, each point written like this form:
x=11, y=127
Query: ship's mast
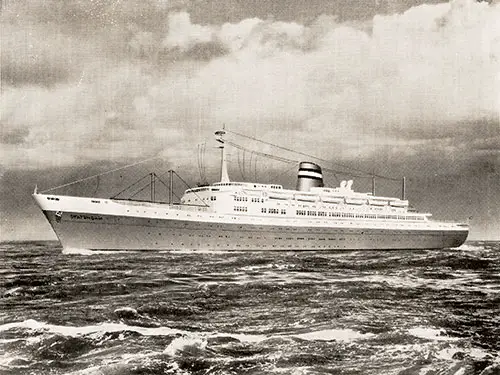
x=403, y=189
x=224, y=177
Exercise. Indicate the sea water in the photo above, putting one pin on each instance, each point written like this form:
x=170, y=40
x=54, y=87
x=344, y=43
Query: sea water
x=187, y=312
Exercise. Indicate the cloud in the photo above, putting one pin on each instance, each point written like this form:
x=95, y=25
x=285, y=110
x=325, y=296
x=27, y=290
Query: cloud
x=183, y=34
x=77, y=15
x=426, y=79
x=29, y=58
x=15, y=136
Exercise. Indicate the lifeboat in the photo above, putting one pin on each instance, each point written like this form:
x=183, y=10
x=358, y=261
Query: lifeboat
x=399, y=203
x=277, y=194
x=375, y=202
x=306, y=198
x=357, y=201
x=332, y=199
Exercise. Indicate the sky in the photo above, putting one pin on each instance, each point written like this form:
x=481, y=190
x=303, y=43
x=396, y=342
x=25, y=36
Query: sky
x=393, y=87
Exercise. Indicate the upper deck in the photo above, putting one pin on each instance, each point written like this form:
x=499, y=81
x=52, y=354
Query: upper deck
x=255, y=199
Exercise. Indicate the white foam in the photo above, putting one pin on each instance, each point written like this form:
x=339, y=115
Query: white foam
x=462, y=280
x=77, y=251
x=81, y=251
x=345, y=335
x=183, y=342
x=272, y=266
x=479, y=353
x=469, y=247
x=74, y=331
x=6, y=360
x=243, y=337
x=447, y=353
x=187, y=338
x=93, y=370
x=8, y=341
x=12, y=291
x=430, y=334
x=199, y=251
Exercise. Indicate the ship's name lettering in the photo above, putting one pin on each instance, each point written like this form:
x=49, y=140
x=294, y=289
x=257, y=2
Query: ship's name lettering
x=85, y=217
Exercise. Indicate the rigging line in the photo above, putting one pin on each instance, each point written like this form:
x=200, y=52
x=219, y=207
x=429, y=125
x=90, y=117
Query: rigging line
x=308, y=155
x=163, y=174
x=189, y=187
x=100, y=174
x=337, y=180
x=164, y=184
x=255, y=168
x=200, y=162
x=147, y=185
x=276, y=176
x=239, y=166
x=159, y=179
x=204, y=165
x=178, y=198
x=130, y=186
x=97, y=186
x=198, y=158
x=295, y=162
x=252, y=158
x=336, y=171
x=278, y=158
x=287, y=149
x=250, y=163
x=244, y=157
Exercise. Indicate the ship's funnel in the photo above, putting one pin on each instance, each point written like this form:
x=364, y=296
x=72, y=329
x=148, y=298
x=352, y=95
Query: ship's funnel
x=309, y=176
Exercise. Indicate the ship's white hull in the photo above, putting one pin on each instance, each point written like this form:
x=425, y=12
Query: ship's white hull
x=113, y=232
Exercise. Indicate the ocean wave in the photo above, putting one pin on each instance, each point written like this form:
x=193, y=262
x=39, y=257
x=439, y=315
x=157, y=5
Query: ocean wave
x=457, y=280
x=430, y=334
x=75, y=331
x=81, y=251
x=470, y=247
x=187, y=343
x=7, y=360
x=344, y=335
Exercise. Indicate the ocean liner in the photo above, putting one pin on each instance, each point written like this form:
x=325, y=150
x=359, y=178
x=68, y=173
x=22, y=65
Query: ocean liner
x=231, y=215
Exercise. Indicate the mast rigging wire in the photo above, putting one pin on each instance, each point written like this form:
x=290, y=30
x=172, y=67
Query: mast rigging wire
x=242, y=172
x=296, y=162
x=130, y=186
x=365, y=174
x=99, y=174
